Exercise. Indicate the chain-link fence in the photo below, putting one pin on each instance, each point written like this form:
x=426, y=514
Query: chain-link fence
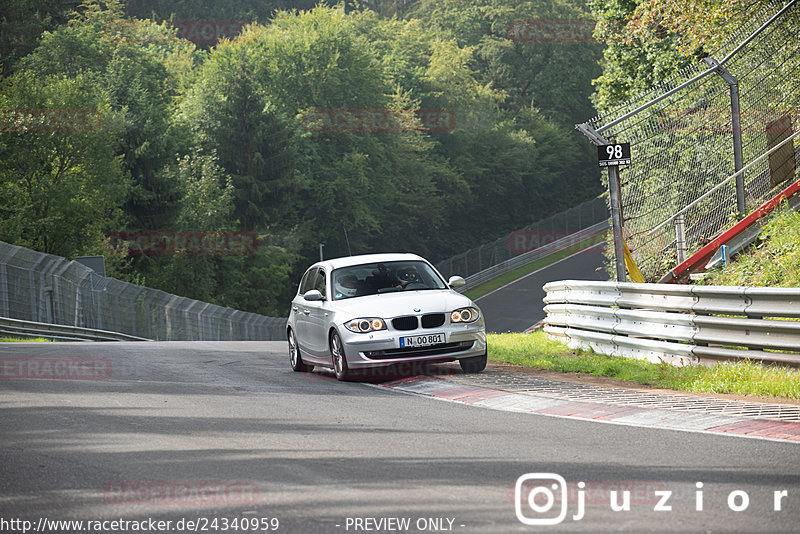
x=50, y=289
x=527, y=239
x=699, y=128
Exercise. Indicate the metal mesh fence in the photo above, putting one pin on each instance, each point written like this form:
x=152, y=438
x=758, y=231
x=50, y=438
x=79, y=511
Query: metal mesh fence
x=50, y=289
x=527, y=239
x=683, y=145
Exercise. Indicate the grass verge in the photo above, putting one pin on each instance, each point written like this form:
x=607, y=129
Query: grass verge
x=772, y=260
x=539, y=351
x=17, y=340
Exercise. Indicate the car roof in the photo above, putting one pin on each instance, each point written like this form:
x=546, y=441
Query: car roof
x=349, y=261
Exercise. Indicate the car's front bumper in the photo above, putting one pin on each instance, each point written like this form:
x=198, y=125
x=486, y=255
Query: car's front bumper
x=376, y=349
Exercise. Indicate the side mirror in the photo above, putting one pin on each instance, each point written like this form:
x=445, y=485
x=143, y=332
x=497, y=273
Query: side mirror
x=313, y=295
x=456, y=281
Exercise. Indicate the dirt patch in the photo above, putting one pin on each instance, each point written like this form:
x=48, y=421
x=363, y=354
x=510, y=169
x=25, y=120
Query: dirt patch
x=605, y=381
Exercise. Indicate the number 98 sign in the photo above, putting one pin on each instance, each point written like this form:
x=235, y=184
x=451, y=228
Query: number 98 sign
x=616, y=154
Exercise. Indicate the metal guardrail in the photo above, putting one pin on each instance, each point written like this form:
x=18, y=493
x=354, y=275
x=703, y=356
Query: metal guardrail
x=32, y=329
x=677, y=324
x=567, y=243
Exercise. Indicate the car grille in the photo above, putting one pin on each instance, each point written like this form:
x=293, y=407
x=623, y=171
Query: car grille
x=432, y=320
x=433, y=350
x=408, y=322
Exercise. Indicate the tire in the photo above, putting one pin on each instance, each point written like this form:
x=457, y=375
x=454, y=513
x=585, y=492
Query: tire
x=295, y=359
x=338, y=357
x=473, y=365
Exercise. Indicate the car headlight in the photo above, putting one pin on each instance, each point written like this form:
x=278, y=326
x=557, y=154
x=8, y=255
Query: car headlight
x=465, y=315
x=365, y=324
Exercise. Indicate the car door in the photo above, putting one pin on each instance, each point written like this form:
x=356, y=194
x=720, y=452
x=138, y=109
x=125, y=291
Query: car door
x=301, y=312
x=317, y=317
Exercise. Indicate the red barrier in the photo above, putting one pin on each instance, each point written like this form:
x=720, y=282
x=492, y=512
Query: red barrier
x=697, y=261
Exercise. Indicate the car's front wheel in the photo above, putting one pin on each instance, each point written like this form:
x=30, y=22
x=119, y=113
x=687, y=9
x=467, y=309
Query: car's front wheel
x=473, y=365
x=294, y=356
x=339, y=358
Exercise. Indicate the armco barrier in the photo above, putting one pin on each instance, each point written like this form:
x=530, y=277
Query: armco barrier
x=27, y=329
x=677, y=324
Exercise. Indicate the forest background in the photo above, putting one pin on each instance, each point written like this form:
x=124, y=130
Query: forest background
x=191, y=134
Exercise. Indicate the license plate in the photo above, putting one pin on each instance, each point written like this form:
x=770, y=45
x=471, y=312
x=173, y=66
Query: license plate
x=422, y=341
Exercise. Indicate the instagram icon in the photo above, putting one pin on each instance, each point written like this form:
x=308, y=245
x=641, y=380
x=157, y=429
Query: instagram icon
x=540, y=499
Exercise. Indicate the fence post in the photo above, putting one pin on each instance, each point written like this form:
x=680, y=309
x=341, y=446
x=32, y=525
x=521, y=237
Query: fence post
x=680, y=238
x=736, y=123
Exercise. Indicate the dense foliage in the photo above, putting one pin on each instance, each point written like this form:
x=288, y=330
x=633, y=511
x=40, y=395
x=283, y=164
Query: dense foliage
x=218, y=137
x=649, y=40
x=232, y=135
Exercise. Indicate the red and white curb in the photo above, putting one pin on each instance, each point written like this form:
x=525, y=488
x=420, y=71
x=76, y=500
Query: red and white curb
x=729, y=425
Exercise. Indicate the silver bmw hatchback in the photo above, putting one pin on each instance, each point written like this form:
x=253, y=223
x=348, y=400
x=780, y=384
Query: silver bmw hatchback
x=372, y=311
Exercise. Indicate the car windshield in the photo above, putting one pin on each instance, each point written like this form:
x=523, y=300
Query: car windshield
x=374, y=278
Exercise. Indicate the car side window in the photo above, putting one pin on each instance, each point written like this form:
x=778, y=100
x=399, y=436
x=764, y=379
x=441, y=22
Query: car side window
x=307, y=283
x=319, y=284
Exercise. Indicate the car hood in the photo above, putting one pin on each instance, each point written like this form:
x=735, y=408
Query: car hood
x=388, y=305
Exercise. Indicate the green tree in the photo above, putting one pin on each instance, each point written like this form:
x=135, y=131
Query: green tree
x=139, y=67
x=61, y=182
x=552, y=74
x=638, y=55
x=514, y=145
x=378, y=190
x=21, y=24
x=228, y=109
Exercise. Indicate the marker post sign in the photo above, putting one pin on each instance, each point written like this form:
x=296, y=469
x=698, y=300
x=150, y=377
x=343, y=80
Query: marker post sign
x=614, y=155
x=611, y=156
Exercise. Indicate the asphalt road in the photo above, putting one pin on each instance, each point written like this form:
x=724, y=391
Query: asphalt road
x=518, y=306
x=217, y=430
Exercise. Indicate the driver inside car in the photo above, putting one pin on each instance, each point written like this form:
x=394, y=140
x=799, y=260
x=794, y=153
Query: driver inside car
x=346, y=286
x=381, y=279
x=408, y=275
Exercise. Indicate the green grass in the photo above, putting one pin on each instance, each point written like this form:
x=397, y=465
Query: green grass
x=539, y=351
x=519, y=272
x=17, y=340
x=772, y=260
